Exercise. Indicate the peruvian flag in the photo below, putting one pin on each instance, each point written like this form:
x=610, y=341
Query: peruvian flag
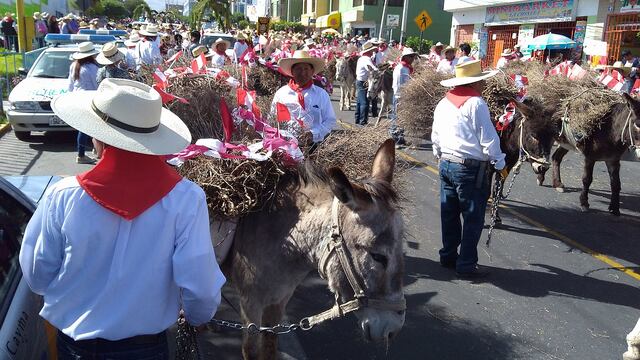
x=166, y=97
x=175, y=57
x=577, y=72
x=248, y=56
x=506, y=118
x=160, y=78
x=227, y=121
x=611, y=81
x=636, y=87
x=282, y=113
x=561, y=69
x=248, y=99
x=198, y=64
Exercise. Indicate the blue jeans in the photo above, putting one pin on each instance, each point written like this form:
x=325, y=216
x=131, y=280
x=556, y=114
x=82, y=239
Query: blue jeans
x=395, y=131
x=362, y=103
x=83, y=142
x=464, y=191
x=117, y=350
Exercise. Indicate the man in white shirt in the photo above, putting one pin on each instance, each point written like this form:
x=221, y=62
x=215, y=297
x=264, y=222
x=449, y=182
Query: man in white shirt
x=401, y=74
x=363, y=69
x=131, y=54
x=465, y=49
x=381, y=53
x=218, y=54
x=303, y=99
x=447, y=65
x=505, y=58
x=147, y=48
x=467, y=144
x=240, y=46
x=118, y=251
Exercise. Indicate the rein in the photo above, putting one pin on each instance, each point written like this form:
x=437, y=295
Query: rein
x=627, y=124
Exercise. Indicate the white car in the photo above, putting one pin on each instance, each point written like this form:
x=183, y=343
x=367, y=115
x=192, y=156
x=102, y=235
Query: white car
x=30, y=101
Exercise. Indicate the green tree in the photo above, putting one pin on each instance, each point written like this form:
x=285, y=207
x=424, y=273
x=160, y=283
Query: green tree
x=287, y=25
x=130, y=5
x=114, y=9
x=142, y=10
x=218, y=9
x=414, y=43
x=236, y=18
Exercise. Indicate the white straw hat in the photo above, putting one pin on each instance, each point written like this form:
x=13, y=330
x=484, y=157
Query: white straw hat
x=367, y=47
x=85, y=49
x=150, y=30
x=220, y=41
x=407, y=51
x=468, y=73
x=301, y=56
x=109, y=54
x=132, y=40
x=125, y=114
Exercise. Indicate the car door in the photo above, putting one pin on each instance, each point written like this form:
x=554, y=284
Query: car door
x=22, y=330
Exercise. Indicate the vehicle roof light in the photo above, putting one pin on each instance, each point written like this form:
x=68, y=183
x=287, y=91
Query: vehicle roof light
x=102, y=32
x=56, y=39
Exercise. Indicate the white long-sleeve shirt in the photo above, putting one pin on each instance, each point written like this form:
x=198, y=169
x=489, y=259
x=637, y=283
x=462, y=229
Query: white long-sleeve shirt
x=466, y=132
x=131, y=58
x=447, y=67
x=318, y=115
x=401, y=75
x=86, y=79
x=148, y=53
x=239, y=49
x=106, y=277
x=218, y=60
x=362, y=68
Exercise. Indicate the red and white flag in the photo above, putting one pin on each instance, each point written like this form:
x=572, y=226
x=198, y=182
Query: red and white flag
x=506, y=118
x=175, y=57
x=198, y=64
x=561, y=69
x=160, y=78
x=248, y=99
x=282, y=113
x=577, y=72
x=166, y=97
x=611, y=80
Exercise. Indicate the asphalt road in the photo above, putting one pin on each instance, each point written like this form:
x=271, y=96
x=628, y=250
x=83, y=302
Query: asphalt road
x=563, y=284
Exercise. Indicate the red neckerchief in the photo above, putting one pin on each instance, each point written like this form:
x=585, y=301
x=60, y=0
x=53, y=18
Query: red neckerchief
x=460, y=94
x=128, y=183
x=407, y=65
x=298, y=89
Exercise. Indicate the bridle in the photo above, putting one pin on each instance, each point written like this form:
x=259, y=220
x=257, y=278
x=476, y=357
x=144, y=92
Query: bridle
x=335, y=244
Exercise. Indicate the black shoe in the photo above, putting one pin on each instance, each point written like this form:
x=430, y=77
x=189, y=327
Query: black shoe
x=448, y=265
x=476, y=273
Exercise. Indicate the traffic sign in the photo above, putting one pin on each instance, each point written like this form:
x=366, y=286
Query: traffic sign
x=393, y=21
x=423, y=20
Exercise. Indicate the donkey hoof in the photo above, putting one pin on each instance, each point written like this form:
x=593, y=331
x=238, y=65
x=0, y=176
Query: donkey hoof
x=559, y=189
x=584, y=208
x=539, y=182
x=615, y=212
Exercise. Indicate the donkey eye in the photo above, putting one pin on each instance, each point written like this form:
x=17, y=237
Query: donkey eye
x=379, y=258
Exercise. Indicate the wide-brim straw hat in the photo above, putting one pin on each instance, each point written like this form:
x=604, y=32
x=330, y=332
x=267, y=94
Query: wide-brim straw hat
x=109, y=54
x=37, y=16
x=439, y=44
x=125, y=114
x=449, y=48
x=301, y=56
x=241, y=36
x=132, y=40
x=468, y=73
x=85, y=50
x=407, y=52
x=507, y=52
x=618, y=65
x=367, y=47
x=150, y=30
x=220, y=41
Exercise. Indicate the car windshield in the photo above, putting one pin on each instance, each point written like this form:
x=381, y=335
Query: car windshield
x=208, y=40
x=52, y=64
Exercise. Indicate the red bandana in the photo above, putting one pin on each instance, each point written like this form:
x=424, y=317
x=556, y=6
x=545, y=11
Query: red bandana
x=298, y=89
x=460, y=94
x=407, y=65
x=128, y=183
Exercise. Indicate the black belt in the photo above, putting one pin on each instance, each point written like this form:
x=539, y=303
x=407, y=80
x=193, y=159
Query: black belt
x=104, y=344
x=460, y=160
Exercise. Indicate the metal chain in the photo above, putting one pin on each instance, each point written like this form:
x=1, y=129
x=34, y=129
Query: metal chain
x=516, y=171
x=254, y=329
x=494, y=210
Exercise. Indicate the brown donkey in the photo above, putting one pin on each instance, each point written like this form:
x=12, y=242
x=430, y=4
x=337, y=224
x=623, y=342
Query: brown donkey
x=274, y=251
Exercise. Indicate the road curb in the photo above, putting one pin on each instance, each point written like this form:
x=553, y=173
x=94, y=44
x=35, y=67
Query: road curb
x=4, y=128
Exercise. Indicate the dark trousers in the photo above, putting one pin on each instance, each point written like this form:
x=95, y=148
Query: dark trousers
x=83, y=142
x=464, y=191
x=373, y=104
x=362, y=103
x=148, y=347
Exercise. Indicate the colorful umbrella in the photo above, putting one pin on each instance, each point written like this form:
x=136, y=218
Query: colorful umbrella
x=330, y=31
x=551, y=42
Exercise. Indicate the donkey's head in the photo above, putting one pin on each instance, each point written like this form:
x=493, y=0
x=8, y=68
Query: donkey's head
x=372, y=229
x=376, y=78
x=535, y=133
x=342, y=66
x=631, y=130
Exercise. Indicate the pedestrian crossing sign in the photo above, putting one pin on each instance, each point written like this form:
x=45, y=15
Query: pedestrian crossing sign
x=423, y=20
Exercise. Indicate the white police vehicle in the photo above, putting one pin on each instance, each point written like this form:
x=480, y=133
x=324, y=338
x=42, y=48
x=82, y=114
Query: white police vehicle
x=30, y=101
x=23, y=333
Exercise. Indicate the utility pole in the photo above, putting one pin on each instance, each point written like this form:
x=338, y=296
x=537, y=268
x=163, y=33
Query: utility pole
x=384, y=12
x=22, y=28
x=403, y=27
x=289, y=10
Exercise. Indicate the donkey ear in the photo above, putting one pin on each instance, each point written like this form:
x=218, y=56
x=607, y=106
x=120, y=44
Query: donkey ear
x=341, y=186
x=524, y=107
x=384, y=161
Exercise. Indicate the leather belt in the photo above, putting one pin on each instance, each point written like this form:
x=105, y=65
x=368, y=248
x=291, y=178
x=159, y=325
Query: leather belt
x=99, y=344
x=459, y=160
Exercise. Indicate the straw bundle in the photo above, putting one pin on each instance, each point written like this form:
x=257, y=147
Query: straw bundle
x=500, y=89
x=392, y=55
x=330, y=71
x=237, y=187
x=419, y=98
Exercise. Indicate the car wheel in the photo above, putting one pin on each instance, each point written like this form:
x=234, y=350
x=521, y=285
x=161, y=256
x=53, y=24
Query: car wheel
x=23, y=135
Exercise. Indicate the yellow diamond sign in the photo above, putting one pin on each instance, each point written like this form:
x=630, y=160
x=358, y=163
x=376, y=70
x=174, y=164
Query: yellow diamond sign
x=423, y=20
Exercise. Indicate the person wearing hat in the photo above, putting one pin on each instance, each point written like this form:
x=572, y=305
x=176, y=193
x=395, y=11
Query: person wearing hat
x=516, y=51
x=74, y=26
x=177, y=45
x=40, y=27
x=467, y=145
x=505, y=58
x=52, y=25
x=217, y=53
x=448, y=63
x=401, y=75
x=364, y=66
x=65, y=28
x=148, y=48
x=304, y=100
x=131, y=55
x=117, y=251
x=113, y=61
x=240, y=46
x=435, y=54
x=83, y=77
x=381, y=52
x=632, y=63
x=7, y=27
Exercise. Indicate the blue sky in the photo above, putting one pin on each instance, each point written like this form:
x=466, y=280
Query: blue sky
x=156, y=4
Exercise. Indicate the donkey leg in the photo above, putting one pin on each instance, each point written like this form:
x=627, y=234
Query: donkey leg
x=613, y=167
x=250, y=313
x=271, y=316
x=343, y=91
x=587, y=178
x=556, y=159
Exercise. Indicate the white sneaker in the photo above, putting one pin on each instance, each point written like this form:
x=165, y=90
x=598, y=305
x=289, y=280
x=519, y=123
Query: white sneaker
x=85, y=160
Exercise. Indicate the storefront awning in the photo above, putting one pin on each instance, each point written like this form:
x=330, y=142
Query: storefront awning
x=329, y=21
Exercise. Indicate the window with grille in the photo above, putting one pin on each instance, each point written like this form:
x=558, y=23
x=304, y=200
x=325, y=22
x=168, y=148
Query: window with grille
x=396, y=2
